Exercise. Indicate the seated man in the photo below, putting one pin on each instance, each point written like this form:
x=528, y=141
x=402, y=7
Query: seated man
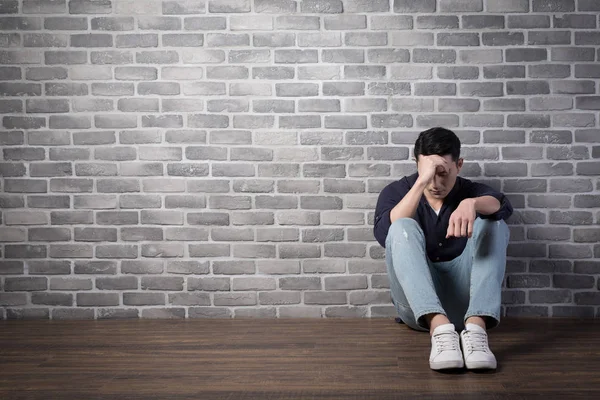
x=445, y=242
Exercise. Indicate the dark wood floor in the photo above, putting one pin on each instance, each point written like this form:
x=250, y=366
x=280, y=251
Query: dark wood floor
x=286, y=359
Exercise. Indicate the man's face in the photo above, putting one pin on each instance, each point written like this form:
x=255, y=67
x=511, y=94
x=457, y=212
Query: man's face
x=444, y=179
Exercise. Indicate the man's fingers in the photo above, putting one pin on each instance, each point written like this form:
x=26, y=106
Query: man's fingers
x=464, y=228
x=470, y=229
x=457, y=228
x=450, y=230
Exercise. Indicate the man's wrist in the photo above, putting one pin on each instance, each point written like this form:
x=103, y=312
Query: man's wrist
x=473, y=201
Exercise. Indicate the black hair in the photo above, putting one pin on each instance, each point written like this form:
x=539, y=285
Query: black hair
x=440, y=141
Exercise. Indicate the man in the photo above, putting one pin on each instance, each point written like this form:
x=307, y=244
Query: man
x=445, y=242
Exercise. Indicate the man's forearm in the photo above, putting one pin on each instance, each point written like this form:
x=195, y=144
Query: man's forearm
x=409, y=203
x=486, y=205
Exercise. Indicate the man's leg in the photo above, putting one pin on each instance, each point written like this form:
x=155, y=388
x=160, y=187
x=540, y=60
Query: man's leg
x=414, y=292
x=411, y=283
x=490, y=240
x=473, y=291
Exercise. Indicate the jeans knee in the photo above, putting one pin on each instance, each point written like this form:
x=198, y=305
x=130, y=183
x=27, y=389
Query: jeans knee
x=484, y=227
x=403, y=227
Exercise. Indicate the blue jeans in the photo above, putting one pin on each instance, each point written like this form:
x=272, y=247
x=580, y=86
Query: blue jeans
x=469, y=285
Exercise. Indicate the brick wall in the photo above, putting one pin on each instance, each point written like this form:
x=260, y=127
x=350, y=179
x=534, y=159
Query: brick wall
x=222, y=158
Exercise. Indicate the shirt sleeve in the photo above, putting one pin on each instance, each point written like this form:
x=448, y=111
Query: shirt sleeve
x=476, y=189
x=389, y=197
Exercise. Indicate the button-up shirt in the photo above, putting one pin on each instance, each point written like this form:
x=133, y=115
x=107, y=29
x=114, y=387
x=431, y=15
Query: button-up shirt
x=435, y=226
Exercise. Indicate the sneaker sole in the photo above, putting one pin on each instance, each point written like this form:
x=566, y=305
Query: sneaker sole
x=481, y=365
x=446, y=364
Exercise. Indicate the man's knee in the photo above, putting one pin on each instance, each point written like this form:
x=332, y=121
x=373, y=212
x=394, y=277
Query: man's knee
x=405, y=227
x=497, y=229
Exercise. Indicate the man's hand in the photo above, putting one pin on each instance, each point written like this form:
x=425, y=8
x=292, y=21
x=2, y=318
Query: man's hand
x=430, y=165
x=462, y=219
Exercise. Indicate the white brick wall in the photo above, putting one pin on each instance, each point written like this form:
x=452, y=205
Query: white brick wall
x=222, y=158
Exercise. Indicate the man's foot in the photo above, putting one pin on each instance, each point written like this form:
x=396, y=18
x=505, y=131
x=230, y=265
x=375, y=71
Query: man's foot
x=477, y=353
x=445, y=348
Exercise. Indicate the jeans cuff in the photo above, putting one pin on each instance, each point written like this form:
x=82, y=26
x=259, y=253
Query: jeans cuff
x=421, y=314
x=493, y=322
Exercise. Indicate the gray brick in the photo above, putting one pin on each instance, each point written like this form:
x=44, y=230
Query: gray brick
x=588, y=168
x=23, y=122
x=227, y=72
x=407, y=6
x=10, y=7
x=296, y=56
x=480, y=56
x=112, y=23
x=570, y=251
x=97, y=299
x=482, y=21
x=11, y=23
x=344, y=22
x=485, y=89
x=117, y=283
x=457, y=73
x=570, y=217
x=272, y=73
x=204, y=23
x=112, y=89
x=577, y=21
x=526, y=55
x=551, y=169
x=299, y=22
x=275, y=6
x=572, y=54
x=136, y=40
x=435, y=55
x=91, y=40
x=528, y=121
x=143, y=299
x=553, y=6
x=319, y=73
x=321, y=6
x=434, y=89
x=586, y=200
x=573, y=120
x=573, y=87
x=435, y=22
x=550, y=38
x=157, y=57
x=365, y=39
x=508, y=6
x=522, y=153
x=296, y=89
x=586, y=235
x=587, y=135
x=14, y=73
x=183, y=40
x=28, y=284
x=228, y=6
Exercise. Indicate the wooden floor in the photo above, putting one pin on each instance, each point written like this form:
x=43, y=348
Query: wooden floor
x=287, y=359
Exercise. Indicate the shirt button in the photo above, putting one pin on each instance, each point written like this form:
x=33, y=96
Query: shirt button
x=437, y=259
x=439, y=244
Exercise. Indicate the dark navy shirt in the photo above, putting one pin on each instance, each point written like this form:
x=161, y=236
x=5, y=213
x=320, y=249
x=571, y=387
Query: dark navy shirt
x=435, y=225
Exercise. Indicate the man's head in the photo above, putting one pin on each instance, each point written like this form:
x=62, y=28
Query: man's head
x=444, y=143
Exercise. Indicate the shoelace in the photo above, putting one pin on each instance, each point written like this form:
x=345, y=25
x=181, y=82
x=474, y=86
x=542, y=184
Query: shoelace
x=476, y=341
x=446, y=341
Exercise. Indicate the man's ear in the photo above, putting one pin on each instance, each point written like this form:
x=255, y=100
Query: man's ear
x=459, y=164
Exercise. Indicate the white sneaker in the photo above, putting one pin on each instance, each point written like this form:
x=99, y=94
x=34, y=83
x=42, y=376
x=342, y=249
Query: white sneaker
x=445, y=348
x=477, y=353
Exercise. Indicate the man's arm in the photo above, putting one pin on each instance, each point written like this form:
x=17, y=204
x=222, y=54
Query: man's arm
x=483, y=200
x=485, y=205
x=407, y=207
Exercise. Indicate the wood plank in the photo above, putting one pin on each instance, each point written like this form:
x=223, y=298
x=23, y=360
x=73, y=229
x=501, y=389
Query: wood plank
x=286, y=359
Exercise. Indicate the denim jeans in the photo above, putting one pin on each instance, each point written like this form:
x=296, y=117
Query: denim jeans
x=469, y=285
